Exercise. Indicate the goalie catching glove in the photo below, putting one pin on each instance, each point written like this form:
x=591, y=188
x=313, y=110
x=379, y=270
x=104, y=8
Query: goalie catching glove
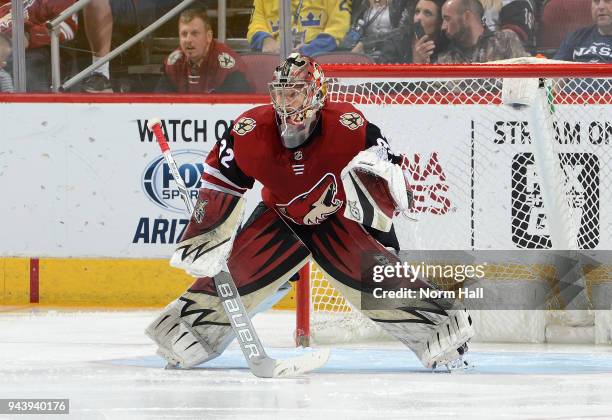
x=207, y=241
x=375, y=188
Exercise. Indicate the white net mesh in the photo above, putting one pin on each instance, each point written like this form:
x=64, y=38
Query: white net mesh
x=490, y=175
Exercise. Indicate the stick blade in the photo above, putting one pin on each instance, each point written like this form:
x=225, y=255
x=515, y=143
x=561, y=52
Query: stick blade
x=298, y=365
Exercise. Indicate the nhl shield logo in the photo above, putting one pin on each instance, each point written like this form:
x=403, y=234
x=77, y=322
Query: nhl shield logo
x=226, y=61
x=244, y=125
x=351, y=120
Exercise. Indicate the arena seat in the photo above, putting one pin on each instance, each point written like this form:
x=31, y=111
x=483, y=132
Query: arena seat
x=260, y=67
x=561, y=17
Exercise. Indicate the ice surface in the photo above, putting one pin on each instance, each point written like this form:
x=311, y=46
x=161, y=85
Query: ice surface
x=107, y=367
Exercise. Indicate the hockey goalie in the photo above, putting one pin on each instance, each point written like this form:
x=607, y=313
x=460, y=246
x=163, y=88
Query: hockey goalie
x=331, y=187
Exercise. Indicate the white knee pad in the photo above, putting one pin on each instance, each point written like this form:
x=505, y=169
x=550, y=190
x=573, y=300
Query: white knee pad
x=446, y=343
x=194, y=328
x=439, y=341
x=191, y=330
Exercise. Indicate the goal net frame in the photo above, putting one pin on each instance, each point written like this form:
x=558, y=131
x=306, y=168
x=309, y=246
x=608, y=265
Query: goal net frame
x=525, y=69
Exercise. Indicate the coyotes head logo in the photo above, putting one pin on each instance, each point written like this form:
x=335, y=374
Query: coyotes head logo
x=315, y=205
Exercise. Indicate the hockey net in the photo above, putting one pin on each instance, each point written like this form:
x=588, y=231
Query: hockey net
x=490, y=174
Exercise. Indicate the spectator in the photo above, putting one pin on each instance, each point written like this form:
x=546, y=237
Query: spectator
x=470, y=40
x=592, y=44
x=378, y=29
x=202, y=64
x=318, y=25
x=120, y=18
x=517, y=16
x=428, y=14
x=37, y=39
x=6, y=82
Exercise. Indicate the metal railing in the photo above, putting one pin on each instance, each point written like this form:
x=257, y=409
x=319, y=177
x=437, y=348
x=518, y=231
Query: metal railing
x=53, y=27
x=19, y=70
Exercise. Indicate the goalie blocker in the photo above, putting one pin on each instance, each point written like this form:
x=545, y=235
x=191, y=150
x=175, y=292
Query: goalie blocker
x=208, y=239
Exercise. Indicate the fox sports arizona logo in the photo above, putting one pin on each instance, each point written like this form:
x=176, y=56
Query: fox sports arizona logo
x=159, y=185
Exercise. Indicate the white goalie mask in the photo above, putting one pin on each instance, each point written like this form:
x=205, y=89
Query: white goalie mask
x=298, y=91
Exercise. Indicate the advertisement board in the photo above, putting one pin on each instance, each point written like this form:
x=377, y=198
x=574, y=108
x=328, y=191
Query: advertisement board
x=87, y=179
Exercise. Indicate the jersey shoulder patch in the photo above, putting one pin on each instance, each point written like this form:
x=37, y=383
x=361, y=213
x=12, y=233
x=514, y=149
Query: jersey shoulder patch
x=244, y=125
x=174, y=57
x=351, y=120
x=226, y=61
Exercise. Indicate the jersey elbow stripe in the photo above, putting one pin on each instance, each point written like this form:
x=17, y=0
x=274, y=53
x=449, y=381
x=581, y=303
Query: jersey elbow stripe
x=216, y=181
x=215, y=187
x=214, y=172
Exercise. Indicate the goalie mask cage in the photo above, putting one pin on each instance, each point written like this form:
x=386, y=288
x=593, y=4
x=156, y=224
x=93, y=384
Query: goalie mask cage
x=507, y=155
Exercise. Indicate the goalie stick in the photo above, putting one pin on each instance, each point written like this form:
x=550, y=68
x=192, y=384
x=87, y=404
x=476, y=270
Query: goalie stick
x=259, y=362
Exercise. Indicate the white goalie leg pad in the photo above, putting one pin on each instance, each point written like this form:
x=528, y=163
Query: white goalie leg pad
x=438, y=337
x=197, y=343
x=204, y=332
x=447, y=341
x=375, y=189
x=192, y=349
x=163, y=330
x=179, y=344
x=194, y=328
x=191, y=330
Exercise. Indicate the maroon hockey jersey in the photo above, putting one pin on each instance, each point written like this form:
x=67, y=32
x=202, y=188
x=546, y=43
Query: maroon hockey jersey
x=36, y=14
x=220, y=62
x=303, y=184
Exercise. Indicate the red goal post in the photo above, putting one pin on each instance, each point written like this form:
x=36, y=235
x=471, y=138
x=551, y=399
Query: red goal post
x=575, y=94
